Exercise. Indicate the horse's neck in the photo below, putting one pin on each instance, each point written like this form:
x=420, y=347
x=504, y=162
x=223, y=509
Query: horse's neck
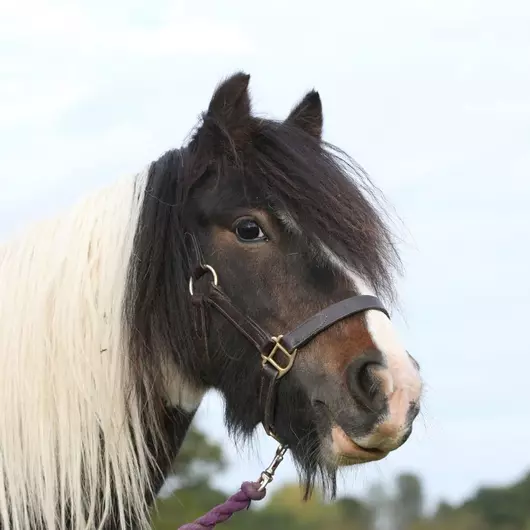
x=176, y=425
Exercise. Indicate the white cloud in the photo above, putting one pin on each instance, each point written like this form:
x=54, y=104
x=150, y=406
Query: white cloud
x=54, y=25
x=52, y=53
x=21, y=101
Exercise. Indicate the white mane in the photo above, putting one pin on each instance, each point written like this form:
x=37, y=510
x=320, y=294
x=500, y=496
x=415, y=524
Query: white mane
x=65, y=380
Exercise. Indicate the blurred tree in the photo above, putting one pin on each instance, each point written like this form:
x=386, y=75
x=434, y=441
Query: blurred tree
x=289, y=500
x=460, y=520
x=444, y=509
x=408, y=502
x=315, y=514
x=190, y=494
x=184, y=505
x=380, y=504
x=197, y=460
x=504, y=507
x=355, y=511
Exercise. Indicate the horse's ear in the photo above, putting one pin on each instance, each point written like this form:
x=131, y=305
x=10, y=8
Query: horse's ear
x=308, y=115
x=230, y=103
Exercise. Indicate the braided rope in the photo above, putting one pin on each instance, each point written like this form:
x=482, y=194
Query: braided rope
x=240, y=501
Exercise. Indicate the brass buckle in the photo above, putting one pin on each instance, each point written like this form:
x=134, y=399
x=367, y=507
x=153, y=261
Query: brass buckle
x=270, y=358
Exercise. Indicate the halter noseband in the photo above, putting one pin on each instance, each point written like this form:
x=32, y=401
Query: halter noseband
x=278, y=353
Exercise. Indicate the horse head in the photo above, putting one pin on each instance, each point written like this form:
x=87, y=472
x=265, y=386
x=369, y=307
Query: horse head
x=285, y=258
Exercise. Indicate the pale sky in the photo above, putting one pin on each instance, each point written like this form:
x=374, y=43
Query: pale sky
x=431, y=98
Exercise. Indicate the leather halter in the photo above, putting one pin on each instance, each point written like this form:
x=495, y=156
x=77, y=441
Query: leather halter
x=278, y=353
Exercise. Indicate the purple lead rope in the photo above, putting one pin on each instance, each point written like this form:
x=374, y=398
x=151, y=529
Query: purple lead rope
x=250, y=491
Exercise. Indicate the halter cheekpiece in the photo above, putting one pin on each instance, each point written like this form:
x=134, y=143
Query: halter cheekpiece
x=277, y=352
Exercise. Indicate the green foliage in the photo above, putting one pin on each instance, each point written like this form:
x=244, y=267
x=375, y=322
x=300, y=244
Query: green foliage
x=351, y=509
x=185, y=505
x=456, y=521
x=284, y=509
x=490, y=509
x=504, y=508
x=197, y=460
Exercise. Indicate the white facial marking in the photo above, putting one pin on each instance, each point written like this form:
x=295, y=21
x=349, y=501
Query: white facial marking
x=404, y=373
x=400, y=380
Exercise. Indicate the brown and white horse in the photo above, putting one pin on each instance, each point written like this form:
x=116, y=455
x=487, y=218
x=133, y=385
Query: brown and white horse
x=254, y=260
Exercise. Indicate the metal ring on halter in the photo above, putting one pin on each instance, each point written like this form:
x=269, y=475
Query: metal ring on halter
x=206, y=268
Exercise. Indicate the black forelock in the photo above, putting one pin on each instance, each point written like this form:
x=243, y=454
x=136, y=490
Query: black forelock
x=329, y=196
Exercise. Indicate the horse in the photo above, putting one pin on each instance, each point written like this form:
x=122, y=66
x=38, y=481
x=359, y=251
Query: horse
x=257, y=260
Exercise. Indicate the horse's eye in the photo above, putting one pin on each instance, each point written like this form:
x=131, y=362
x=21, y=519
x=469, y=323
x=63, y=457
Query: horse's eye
x=248, y=231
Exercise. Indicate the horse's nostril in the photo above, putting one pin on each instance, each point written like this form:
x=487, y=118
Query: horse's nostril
x=363, y=381
x=367, y=382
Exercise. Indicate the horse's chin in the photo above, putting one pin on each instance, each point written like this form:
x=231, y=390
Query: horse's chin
x=347, y=452
x=337, y=448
